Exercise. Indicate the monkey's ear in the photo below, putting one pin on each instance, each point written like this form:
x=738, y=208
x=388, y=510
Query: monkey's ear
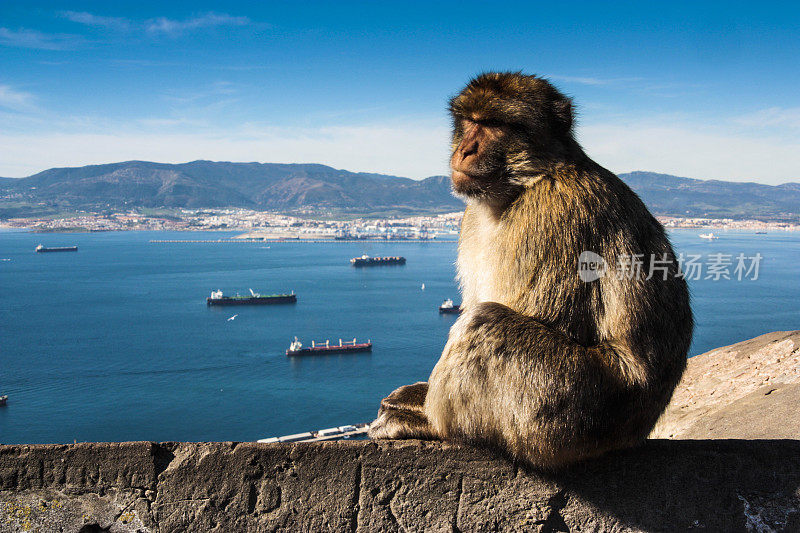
x=563, y=113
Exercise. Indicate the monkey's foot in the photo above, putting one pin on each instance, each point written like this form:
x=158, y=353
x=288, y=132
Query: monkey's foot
x=406, y=398
x=401, y=415
x=400, y=425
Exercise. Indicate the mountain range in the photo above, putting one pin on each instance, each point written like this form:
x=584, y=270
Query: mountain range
x=314, y=187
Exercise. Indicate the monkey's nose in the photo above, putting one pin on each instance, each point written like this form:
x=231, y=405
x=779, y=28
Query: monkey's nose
x=469, y=149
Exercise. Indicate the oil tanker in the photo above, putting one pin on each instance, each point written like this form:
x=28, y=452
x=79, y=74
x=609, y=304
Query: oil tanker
x=366, y=260
x=217, y=298
x=41, y=248
x=296, y=347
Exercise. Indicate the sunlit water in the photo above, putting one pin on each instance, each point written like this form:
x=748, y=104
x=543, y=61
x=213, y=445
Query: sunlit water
x=115, y=342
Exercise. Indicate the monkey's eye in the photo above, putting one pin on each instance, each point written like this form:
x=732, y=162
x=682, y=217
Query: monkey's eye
x=489, y=123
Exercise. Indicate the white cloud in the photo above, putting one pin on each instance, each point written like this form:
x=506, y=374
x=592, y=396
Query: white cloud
x=415, y=150
x=171, y=26
x=637, y=85
x=210, y=91
x=25, y=38
x=688, y=148
x=781, y=117
x=89, y=19
x=158, y=123
x=16, y=100
x=159, y=25
x=589, y=80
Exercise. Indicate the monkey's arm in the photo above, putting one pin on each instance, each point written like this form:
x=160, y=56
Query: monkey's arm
x=507, y=379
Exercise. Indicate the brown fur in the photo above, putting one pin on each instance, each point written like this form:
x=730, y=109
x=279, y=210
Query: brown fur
x=541, y=364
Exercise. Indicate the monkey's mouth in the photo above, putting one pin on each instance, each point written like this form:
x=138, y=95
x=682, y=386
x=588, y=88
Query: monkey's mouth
x=475, y=172
x=460, y=177
x=471, y=177
x=466, y=183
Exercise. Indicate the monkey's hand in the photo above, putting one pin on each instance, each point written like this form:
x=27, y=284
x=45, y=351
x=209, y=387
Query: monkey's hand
x=401, y=415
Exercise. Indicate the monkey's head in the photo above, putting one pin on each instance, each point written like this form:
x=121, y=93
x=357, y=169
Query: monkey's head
x=507, y=127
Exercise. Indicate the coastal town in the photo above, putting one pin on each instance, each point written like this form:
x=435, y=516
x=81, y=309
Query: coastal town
x=264, y=225
x=261, y=225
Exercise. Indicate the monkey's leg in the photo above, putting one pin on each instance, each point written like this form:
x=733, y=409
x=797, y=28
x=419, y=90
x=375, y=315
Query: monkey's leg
x=401, y=415
x=507, y=380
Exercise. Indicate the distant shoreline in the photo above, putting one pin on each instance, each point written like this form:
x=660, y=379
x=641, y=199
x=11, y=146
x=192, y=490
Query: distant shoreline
x=262, y=226
x=717, y=224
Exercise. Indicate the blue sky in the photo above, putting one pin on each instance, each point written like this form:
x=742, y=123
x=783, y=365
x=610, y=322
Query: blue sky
x=707, y=90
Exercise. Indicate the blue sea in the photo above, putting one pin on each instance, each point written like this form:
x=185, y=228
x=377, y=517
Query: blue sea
x=116, y=343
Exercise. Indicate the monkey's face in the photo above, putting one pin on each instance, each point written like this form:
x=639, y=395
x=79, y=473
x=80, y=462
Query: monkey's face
x=507, y=128
x=479, y=157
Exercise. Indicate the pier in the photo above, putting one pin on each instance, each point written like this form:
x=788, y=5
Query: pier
x=291, y=240
x=335, y=433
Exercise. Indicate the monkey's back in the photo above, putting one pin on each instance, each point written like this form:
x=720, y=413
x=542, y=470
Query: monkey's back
x=533, y=267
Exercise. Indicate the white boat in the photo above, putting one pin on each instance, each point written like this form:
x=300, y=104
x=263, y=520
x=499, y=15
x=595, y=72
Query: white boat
x=708, y=236
x=449, y=308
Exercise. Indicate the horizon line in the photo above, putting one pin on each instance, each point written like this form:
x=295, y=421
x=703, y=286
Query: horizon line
x=361, y=172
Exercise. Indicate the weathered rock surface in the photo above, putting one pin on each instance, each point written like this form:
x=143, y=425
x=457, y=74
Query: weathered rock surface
x=749, y=390
x=714, y=485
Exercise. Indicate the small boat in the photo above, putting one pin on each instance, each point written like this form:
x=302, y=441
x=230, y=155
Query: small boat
x=41, y=248
x=761, y=233
x=366, y=260
x=217, y=298
x=296, y=347
x=3, y=400
x=708, y=236
x=448, y=308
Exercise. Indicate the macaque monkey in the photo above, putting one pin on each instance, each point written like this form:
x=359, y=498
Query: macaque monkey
x=549, y=362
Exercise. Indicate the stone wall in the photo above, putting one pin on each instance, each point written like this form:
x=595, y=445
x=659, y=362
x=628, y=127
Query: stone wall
x=749, y=390
x=714, y=485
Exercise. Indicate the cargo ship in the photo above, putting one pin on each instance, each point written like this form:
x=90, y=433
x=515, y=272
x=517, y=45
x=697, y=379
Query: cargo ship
x=448, y=308
x=42, y=248
x=296, y=347
x=366, y=260
x=217, y=298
